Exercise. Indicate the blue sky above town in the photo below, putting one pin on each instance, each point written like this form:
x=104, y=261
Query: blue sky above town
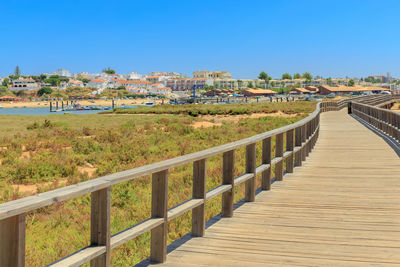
x=329, y=38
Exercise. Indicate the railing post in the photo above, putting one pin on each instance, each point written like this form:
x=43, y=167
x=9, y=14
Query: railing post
x=279, y=153
x=228, y=168
x=159, y=205
x=12, y=241
x=266, y=159
x=304, y=138
x=308, y=146
x=199, y=191
x=298, y=138
x=251, y=168
x=100, y=225
x=289, y=147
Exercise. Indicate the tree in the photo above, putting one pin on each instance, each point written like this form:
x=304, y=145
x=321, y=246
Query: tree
x=296, y=76
x=250, y=85
x=351, y=83
x=329, y=81
x=121, y=87
x=45, y=91
x=84, y=80
x=14, y=77
x=4, y=91
x=263, y=76
x=20, y=93
x=307, y=76
x=239, y=83
x=109, y=71
x=17, y=71
x=6, y=82
x=52, y=81
x=286, y=76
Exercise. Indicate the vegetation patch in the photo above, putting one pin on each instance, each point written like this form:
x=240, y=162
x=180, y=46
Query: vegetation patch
x=80, y=147
x=223, y=109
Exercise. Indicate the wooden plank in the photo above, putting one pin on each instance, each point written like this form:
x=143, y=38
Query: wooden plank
x=218, y=191
x=289, y=148
x=159, y=204
x=80, y=257
x=279, y=153
x=228, y=169
x=199, y=191
x=243, y=178
x=184, y=207
x=132, y=232
x=276, y=160
x=298, y=143
x=250, y=185
x=303, y=141
x=261, y=168
x=266, y=161
x=311, y=219
x=12, y=241
x=100, y=225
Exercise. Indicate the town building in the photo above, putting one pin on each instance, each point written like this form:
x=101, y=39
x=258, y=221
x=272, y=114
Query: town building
x=212, y=74
x=187, y=84
x=339, y=90
x=75, y=83
x=299, y=91
x=219, y=92
x=163, y=91
x=258, y=92
x=136, y=84
x=25, y=84
x=98, y=84
x=63, y=73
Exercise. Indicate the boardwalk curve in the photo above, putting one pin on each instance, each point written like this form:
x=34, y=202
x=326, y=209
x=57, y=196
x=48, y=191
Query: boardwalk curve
x=341, y=208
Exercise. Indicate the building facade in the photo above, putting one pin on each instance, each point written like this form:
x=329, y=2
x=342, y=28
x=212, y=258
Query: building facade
x=212, y=74
x=188, y=84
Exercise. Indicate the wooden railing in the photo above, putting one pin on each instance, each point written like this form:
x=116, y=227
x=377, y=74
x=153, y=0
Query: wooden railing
x=300, y=139
x=371, y=100
x=387, y=121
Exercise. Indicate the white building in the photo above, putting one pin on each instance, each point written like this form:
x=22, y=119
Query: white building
x=160, y=91
x=98, y=84
x=63, y=73
x=212, y=74
x=75, y=83
x=24, y=84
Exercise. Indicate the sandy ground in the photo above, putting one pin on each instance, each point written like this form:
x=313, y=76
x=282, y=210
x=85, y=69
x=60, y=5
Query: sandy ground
x=396, y=107
x=216, y=120
x=11, y=104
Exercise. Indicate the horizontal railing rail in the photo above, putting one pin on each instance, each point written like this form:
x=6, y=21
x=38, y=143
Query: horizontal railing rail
x=299, y=138
x=370, y=99
x=387, y=121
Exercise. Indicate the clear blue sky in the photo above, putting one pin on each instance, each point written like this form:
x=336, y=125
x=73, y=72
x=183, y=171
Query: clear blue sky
x=329, y=38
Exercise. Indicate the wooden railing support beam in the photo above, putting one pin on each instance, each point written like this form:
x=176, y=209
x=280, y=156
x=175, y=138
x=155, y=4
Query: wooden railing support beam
x=228, y=175
x=266, y=159
x=100, y=225
x=159, y=204
x=289, y=147
x=199, y=191
x=250, y=194
x=12, y=241
x=279, y=153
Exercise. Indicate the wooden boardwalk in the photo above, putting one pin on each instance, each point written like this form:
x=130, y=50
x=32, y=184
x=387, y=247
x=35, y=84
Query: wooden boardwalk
x=341, y=208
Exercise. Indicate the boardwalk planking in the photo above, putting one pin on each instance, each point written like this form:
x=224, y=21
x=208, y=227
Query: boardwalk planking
x=341, y=208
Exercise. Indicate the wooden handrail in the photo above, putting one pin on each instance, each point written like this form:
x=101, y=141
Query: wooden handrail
x=300, y=140
x=387, y=121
